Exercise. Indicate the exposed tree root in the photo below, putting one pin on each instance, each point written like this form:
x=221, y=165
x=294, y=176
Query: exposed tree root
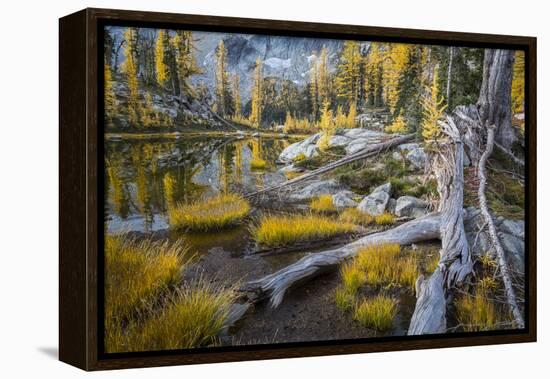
x=274, y=286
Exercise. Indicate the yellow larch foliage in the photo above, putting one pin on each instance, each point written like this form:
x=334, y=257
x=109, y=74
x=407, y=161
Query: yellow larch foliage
x=130, y=68
x=327, y=126
x=373, y=72
x=352, y=113
x=323, y=76
x=349, y=72
x=257, y=95
x=399, y=125
x=313, y=92
x=518, y=82
x=393, y=67
x=433, y=110
x=109, y=97
x=160, y=51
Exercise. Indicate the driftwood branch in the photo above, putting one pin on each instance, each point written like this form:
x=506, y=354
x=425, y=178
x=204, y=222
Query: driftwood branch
x=503, y=265
x=365, y=153
x=274, y=286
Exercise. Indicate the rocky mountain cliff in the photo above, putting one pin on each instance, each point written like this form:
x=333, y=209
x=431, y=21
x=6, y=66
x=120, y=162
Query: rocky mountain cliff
x=284, y=57
x=288, y=58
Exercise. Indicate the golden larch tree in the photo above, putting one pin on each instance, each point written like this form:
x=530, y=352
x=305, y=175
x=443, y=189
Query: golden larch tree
x=433, y=110
x=327, y=126
x=237, y=107
x=313, y=91
x=161, y=68
x=222, y=80
x=109, y=97
x=257, y=95
x=130, y=68
x=518, y=82
x=349, y=73
x=394, y=66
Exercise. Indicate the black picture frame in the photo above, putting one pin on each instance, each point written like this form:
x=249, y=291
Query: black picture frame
x=81, y=189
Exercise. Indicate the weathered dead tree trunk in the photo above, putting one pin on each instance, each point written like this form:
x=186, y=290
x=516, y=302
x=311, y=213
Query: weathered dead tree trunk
x=274, y=286
x=365, y=153
x=503, y=264
x=494, y=101
x=455, y=263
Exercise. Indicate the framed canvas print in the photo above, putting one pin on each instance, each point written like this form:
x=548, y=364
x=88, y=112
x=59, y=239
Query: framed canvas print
x=237, y=189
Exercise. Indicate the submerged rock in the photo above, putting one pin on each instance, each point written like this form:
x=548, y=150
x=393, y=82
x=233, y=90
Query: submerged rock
x=409, y=206
x=377, y=202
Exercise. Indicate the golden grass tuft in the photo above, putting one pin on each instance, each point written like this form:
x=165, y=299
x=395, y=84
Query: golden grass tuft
x=192, y=317
x=322, y=204
x=275, y=230
x=211, y=214
x=384, y=219
x=378, y=312
x=258, y=164
x=344, y=299
x=476, y=312
x=384, y=265
x=353, y=277
x=355, y=216
x=432, y=262
x=136, y=272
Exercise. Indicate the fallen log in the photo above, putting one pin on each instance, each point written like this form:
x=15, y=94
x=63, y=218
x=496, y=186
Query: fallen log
x=274, y=286
x=365, y=153
x=503, y=265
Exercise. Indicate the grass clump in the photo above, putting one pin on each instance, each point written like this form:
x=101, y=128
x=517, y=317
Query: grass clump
x=258, y=164
x=281, y=230
x=432, y=262
x=378, y=312
x=322, y=204
x=215, y=213
x=137, y=275
x=384, y=265
x=344, y=299
x=353, y=277
x=385, y=218
x=355, y=216
x=136, y=272
x=476, y=312
x=192, y=317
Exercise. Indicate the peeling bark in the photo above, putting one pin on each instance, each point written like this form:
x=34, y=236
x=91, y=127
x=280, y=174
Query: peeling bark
x=494, y=101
